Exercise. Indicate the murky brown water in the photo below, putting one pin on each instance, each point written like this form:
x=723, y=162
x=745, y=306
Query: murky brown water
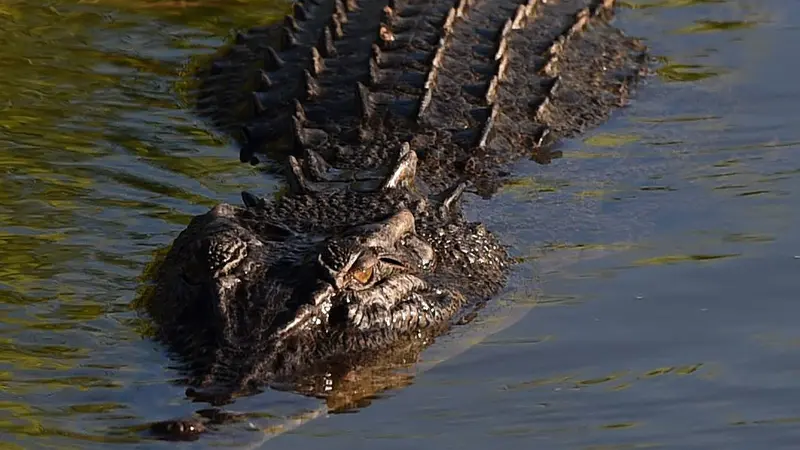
x=658, y=306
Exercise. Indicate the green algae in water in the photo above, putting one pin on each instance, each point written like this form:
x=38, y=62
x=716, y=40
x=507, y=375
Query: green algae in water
x=103, y=163
x=674, y=259
x=611, y=140
x=712, y=26
x=647, y=4
x=674, y=72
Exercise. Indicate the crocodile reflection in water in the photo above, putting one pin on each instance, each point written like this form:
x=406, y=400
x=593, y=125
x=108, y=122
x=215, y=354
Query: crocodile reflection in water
x=390, y=108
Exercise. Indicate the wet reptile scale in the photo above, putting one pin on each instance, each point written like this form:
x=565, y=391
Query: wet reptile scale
x=388, y=112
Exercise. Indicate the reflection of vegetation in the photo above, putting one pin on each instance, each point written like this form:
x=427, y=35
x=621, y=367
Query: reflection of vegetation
x=687, y=72
x=610, y=140
x=748, y=237
x=707, y=26
x=674, y=259
x=530, y=187
x=645, y=4
x=675, y=119
x=101, y=165
x=626, y=377
x=145, y=292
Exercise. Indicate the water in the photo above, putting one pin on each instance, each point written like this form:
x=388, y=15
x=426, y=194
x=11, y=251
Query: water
x=655, y=307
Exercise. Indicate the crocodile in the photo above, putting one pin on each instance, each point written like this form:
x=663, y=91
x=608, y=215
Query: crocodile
x=380, y=114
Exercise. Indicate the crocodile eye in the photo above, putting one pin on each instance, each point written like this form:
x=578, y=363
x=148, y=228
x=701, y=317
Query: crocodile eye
x=363, y=274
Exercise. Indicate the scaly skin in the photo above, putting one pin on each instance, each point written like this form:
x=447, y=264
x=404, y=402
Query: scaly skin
x=389, y=110
x=428, y=81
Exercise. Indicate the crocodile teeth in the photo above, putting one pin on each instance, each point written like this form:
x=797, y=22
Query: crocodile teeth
x=272, y=61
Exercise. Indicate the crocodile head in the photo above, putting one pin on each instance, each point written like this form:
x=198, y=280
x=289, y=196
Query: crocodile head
x=340, y=268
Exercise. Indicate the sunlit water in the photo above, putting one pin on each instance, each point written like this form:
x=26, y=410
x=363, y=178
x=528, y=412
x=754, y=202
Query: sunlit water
x=657, y=306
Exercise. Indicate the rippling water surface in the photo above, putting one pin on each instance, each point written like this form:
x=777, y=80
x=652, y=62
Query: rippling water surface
x=657, y=305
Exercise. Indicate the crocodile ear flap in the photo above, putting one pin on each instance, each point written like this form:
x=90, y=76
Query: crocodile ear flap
x=404, y=169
